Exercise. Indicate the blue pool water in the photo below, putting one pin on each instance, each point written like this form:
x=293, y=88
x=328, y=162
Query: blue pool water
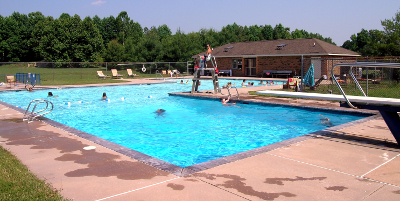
x=234, y=82
x=190, y=131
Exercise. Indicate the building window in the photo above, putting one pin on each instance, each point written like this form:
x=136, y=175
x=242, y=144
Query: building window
x=236, y=63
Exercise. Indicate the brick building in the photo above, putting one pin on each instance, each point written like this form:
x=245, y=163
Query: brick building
x=252, y=58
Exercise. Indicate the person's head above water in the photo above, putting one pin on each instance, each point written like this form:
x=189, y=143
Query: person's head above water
x=50, y=94
x=159, y=111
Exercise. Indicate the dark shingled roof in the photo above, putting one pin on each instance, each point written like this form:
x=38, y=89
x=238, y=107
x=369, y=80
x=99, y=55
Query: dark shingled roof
x=303, y=46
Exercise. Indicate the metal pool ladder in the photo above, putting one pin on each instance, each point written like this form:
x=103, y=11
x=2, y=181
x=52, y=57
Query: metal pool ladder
x=157, y=72
x=30, y=116
x=229, y=92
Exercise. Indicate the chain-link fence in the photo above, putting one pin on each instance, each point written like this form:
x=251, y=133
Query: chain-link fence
x=60, y=73
x=376, y=82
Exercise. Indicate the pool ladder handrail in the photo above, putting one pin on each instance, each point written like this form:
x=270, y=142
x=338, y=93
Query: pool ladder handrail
x=157, y=72
x=229, y=92
x=32, y=115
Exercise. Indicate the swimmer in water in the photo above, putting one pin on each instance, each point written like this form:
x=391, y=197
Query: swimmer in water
x=104, y=96
x=50, y=94
x=160, y=112
x=325, y=121
x=225, y=102
x=30, y=89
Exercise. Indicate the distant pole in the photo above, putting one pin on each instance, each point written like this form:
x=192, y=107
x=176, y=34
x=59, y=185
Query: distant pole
x=80, y=65
x=302, y=77
x=52, y=68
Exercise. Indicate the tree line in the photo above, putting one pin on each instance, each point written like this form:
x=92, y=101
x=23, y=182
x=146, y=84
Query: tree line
x=35, y=37
x=375, y=42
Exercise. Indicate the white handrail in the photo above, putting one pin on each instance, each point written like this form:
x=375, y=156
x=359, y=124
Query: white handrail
x=359, y=64
x=32, y=115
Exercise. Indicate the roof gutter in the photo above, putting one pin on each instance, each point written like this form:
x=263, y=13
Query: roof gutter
x=286, y=55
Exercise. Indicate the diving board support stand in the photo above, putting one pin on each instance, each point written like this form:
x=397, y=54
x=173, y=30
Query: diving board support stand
x=393, y=122
x=388, y=113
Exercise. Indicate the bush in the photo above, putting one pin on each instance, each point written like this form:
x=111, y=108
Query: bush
x=371, y=74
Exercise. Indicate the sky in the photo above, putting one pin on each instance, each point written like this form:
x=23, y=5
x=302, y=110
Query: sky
x=337, y=19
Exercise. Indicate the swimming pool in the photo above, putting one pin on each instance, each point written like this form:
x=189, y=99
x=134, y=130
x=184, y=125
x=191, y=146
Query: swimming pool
x=234, y=82
x=190, y=131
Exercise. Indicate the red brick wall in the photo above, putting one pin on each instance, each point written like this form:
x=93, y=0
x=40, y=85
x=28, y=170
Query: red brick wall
x=292, y=63
x=226, y=64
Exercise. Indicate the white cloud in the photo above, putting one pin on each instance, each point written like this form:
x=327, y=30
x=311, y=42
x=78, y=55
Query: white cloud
x=98, y=3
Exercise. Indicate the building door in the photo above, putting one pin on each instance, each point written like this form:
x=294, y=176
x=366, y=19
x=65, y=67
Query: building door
x=317, y=68
x=250, y=66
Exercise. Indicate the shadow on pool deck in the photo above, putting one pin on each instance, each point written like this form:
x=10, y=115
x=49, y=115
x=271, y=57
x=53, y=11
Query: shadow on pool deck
x=356, y=161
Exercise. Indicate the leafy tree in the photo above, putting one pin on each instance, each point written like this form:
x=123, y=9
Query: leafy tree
x=114, y=52
x=15, y=36
x=88, y=43
x=149, y=46
x=2, y=39
x=129, y=50
x=122, y=25
x=376, y=45
x=209, y=36
x=67, y=39
x=175, y=47
x=281, y=32
x=163, y=31
x=267, y=32
x=37, y=34
x=300, y=34
x=351, y=44
x=255, y=33
x=64, y=16
x=108, y=29
x=33, y=19
x=194, y=44
x=392, y=31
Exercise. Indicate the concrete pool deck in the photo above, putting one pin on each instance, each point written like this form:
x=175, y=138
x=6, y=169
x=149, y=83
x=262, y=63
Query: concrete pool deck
x=355, y=162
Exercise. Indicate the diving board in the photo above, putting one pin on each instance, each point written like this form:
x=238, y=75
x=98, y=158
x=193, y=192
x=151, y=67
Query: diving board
x=387, y=107
x=334, y=97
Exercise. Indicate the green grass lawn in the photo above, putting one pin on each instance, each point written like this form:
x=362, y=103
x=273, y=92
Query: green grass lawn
x=68, y=76
x=384, y=90
x=17, y=183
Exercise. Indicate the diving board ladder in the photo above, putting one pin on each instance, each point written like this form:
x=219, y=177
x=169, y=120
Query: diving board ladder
x=197, y=78
x=31, y=115
x=389, y=109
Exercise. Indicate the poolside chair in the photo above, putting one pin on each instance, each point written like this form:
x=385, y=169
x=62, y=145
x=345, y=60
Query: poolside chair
x=101, y=75
x=115, y=74
x=130, y=74
x=11, y=79
x=292, y=83
x=164, y=72
x=176, y=72
x=318, y=82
